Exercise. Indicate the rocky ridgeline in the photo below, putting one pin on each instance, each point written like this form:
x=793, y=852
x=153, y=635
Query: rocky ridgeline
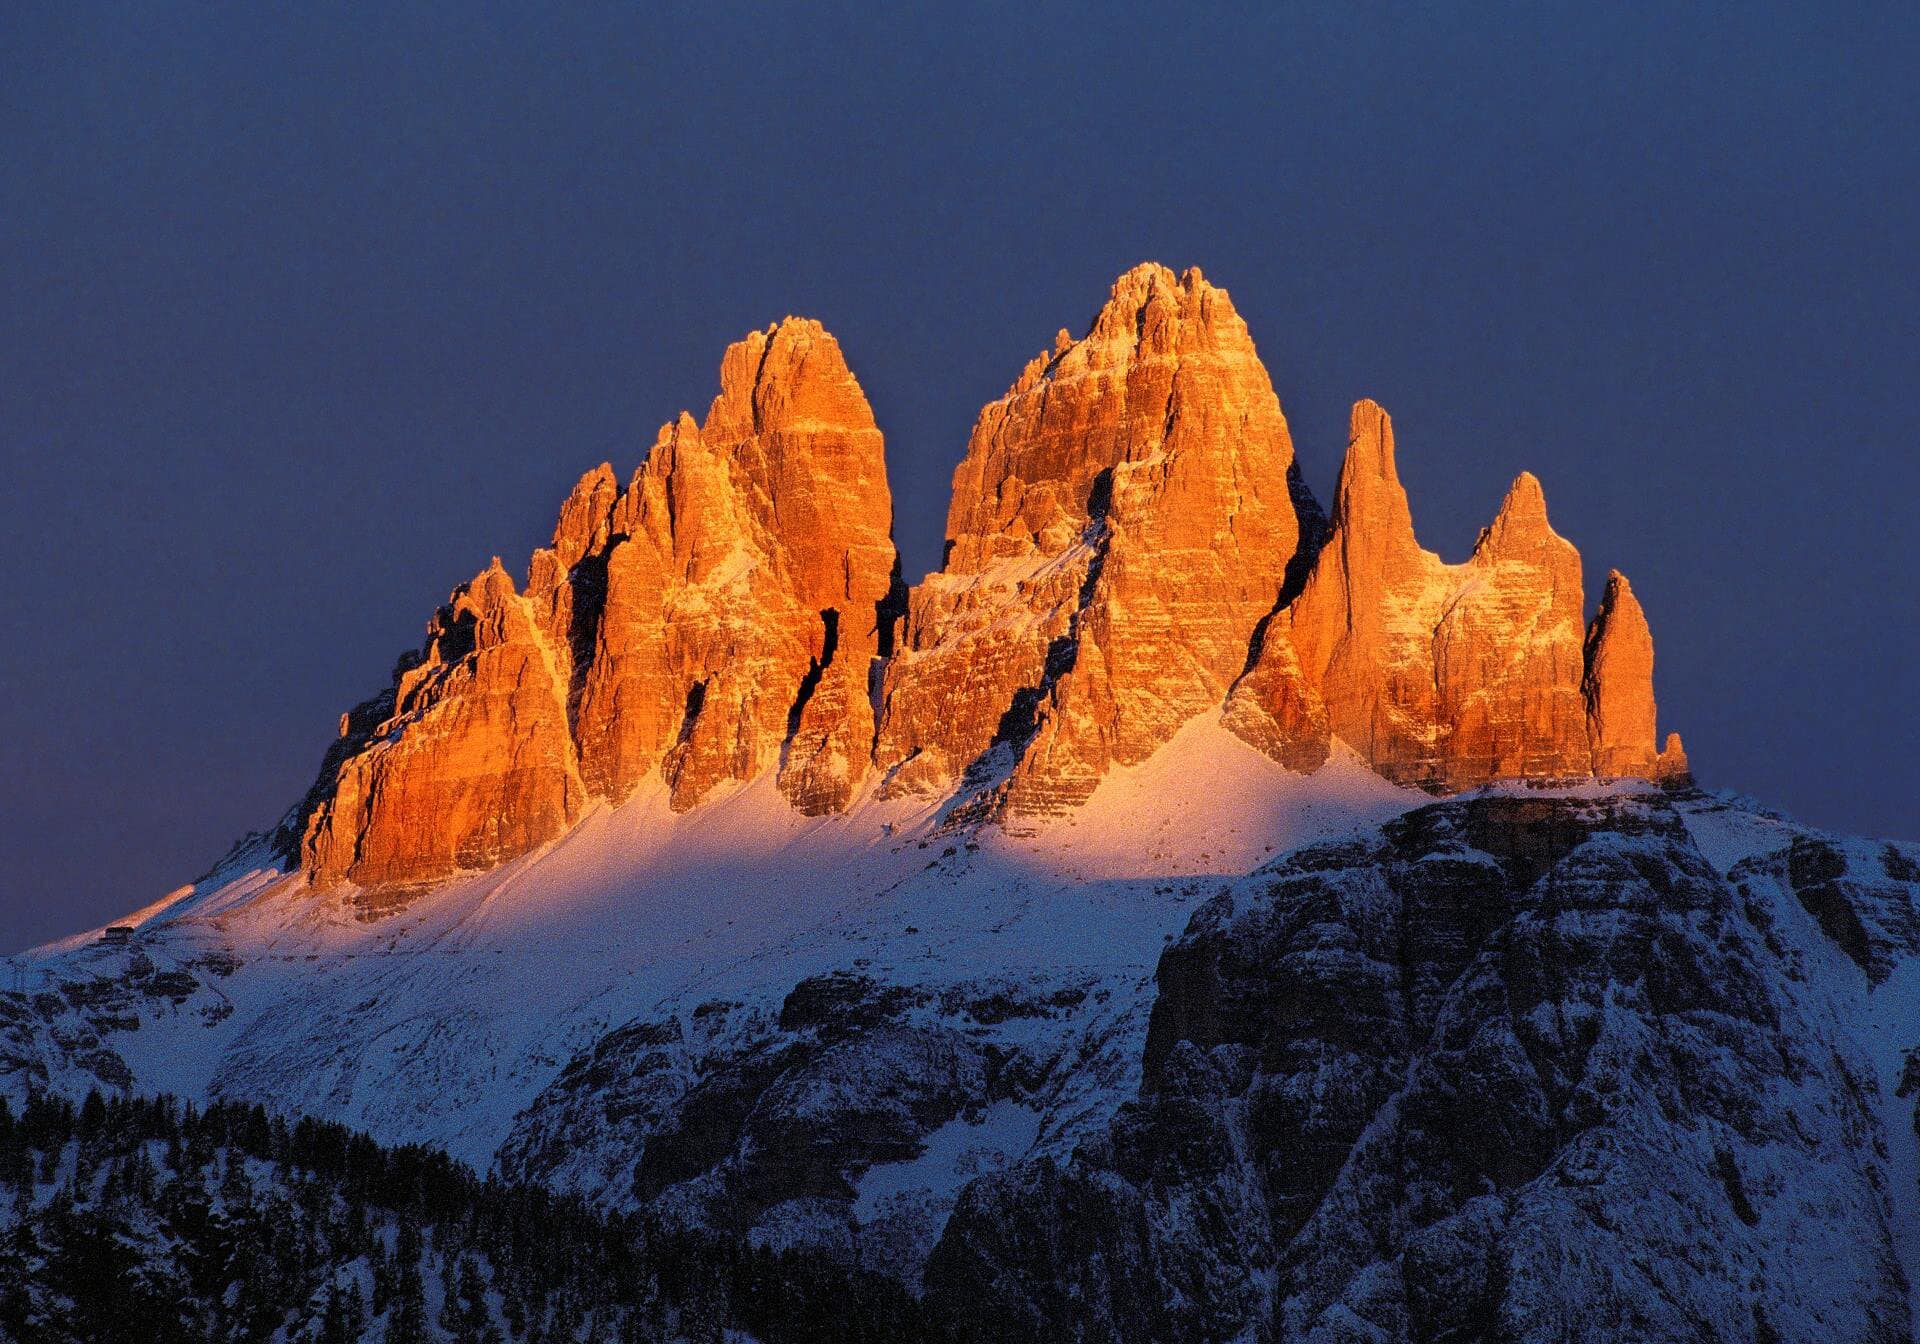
x=1129, y=545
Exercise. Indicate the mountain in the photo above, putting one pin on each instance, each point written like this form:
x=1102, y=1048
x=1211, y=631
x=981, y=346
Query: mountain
x=1188, y=913
x=1129, y=546
x=142, y=1221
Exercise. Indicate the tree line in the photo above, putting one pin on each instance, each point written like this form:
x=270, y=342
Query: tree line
x=147, y=1219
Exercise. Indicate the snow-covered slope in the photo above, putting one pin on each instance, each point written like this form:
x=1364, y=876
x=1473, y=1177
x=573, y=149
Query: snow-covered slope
x=441, y=1022
x=923, y=1044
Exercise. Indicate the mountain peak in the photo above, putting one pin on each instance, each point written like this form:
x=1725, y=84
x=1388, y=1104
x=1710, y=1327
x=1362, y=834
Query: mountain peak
x=1120, y=524
x=1441, y=676
x=1619, y=686
x=1128, y=547
x=1524, y=509
x=1370, y=507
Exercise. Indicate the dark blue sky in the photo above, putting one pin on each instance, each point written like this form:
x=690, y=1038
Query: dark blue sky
x=304, y=316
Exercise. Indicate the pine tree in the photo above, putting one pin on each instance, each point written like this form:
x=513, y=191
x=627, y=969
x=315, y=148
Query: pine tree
x=93, y=1116
x=386, y=1277
x=408, y=1324
x=19, y=1261
x=356, y=1313
x=333, y=1318
x=236, y=1187
x=464, y=1313
x=257, y=1230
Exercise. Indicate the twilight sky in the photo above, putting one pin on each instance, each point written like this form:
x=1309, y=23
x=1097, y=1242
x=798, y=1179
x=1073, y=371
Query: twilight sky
x=304, y=316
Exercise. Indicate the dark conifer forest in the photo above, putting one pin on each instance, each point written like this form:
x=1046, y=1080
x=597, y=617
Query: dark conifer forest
x=152, y=1222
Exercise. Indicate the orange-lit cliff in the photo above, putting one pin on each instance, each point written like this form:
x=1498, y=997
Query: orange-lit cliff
x=1129, y=545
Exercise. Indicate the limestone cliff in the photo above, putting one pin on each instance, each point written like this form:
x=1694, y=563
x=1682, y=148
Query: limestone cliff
x=471, y=763
x=1442, y=676
x=1129, y=545
x=1120, y=525
x=1619, y=691
x=730, y=619
x=718, y=617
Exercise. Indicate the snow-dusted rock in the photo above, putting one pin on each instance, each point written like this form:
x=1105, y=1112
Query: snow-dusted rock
x=1130, y=545
x=1517, y=1068
x=1534, y=1061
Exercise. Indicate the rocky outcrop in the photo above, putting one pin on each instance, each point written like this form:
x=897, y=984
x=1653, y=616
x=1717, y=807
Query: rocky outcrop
x=1520, y=1065
x=468, y=763
x=1120, y=525
x=1671, y=765
x=717, y=617
x=1440, y=676
x=762, y=1125
x=739, y=594
x=1618, y=688
x=1516, y=1068
x=1129, y=545
x=1619, y=683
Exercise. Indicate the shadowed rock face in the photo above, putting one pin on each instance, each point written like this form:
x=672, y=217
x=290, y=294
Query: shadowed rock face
x=1129, y=545
x=1517, y=1069
x=762, y=1125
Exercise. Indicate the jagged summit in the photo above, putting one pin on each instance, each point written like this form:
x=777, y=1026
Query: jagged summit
x=1440, y=676
x=1121, y=523
x=1129, y=546
x=715, y=618
x=1619, y=690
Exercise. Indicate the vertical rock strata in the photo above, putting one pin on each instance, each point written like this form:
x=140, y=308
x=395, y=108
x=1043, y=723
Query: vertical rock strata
x=472, y=764
x=1121, y=524
x=1129, y=545
x=731, y=617
x=1439, y=676
x=716, y=618
x=1619, y=691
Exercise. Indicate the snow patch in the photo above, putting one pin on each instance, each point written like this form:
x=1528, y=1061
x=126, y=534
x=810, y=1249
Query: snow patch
x=954, y=1154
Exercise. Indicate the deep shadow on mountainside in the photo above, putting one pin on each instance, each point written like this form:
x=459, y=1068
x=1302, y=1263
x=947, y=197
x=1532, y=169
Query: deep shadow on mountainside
x=1513, y=1068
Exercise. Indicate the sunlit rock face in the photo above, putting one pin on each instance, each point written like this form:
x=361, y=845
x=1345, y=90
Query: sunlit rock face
x=1121, y=523
x=730, y=621
x=1619, y=691
x=1129, y=546
x=1441, y=676
x=716, y=618
x=466, y=762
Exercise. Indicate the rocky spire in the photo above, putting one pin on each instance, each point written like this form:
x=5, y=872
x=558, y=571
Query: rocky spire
x=1120, y=525
x=747, y=566
x=1129, y=545
x=1507, y=655
x=1670, y=766
x=1351, y=657
x=472, y=763
x=1619, y=684
x=1438, y=675
x=718, y=617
